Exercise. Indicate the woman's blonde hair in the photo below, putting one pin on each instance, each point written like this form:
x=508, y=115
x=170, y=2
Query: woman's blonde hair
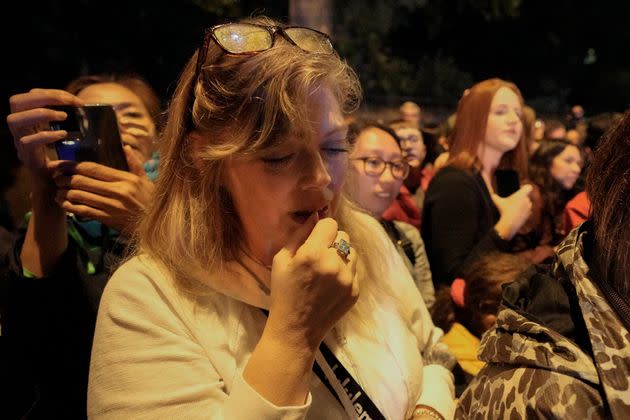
x=239, y=105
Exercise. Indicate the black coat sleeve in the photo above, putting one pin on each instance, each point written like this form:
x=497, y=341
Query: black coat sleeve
x=48, y=325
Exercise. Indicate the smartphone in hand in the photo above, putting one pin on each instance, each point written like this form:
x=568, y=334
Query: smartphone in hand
x=93, y=135
x=507, y=182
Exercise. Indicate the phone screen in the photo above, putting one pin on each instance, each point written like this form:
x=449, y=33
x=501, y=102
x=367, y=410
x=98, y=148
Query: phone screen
x=507, y=182
x=93, y=136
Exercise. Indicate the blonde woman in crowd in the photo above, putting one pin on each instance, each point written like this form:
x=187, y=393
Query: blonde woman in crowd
x=256, y=290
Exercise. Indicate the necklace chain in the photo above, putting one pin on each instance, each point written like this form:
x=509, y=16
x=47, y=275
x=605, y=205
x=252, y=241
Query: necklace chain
x=256, y=260
x=258, y=280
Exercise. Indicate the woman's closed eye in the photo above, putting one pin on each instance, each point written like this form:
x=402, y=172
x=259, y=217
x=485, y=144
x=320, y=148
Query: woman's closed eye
x=335, y=148
x=331, y=152
x=277, y=162
x=501, y=110
x=504, y=111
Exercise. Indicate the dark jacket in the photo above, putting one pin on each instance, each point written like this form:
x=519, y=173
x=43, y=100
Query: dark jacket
x=48, y=325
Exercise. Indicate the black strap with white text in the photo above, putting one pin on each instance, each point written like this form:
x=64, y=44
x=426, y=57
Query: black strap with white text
x=363, y=405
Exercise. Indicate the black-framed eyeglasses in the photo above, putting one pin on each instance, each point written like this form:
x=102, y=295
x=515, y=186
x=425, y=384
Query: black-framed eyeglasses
x=252, y=38
x=375, y=166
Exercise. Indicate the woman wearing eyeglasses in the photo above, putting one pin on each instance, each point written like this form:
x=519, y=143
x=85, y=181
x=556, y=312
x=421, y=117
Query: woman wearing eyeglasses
x=256, y=291
x=463, y=218
x=377, y=171
x=410, y=200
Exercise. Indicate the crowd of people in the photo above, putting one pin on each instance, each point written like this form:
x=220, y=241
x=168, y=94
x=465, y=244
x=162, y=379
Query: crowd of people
x=274, y=253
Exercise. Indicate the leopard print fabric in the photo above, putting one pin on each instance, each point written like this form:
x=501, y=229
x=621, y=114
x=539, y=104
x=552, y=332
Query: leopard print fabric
x=535, y=372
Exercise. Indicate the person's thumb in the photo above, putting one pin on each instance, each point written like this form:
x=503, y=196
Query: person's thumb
x=300, y=235
x=498, y=200
x=136, y=166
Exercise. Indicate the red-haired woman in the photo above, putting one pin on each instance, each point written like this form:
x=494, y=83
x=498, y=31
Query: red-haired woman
x=463, y=218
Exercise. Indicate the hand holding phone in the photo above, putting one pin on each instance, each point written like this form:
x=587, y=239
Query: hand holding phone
x=93, y=135
x=97, y=192
x=29, y=121
x=514, y=210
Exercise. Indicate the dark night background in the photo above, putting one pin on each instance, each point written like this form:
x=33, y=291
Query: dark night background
x=428, y=51
x=424, y=50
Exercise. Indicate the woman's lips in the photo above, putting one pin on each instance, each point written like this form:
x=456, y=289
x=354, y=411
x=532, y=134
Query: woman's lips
x=383, y=194
x=301, y=216
x=570, y=180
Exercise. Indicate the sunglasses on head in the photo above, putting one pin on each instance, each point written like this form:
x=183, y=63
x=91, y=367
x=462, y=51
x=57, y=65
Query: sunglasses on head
x=252, y=38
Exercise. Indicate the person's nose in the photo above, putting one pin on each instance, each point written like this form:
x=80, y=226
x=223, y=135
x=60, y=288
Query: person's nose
x=576, y=168
x=387, y=177
x=513, y=118
x=318, y=175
